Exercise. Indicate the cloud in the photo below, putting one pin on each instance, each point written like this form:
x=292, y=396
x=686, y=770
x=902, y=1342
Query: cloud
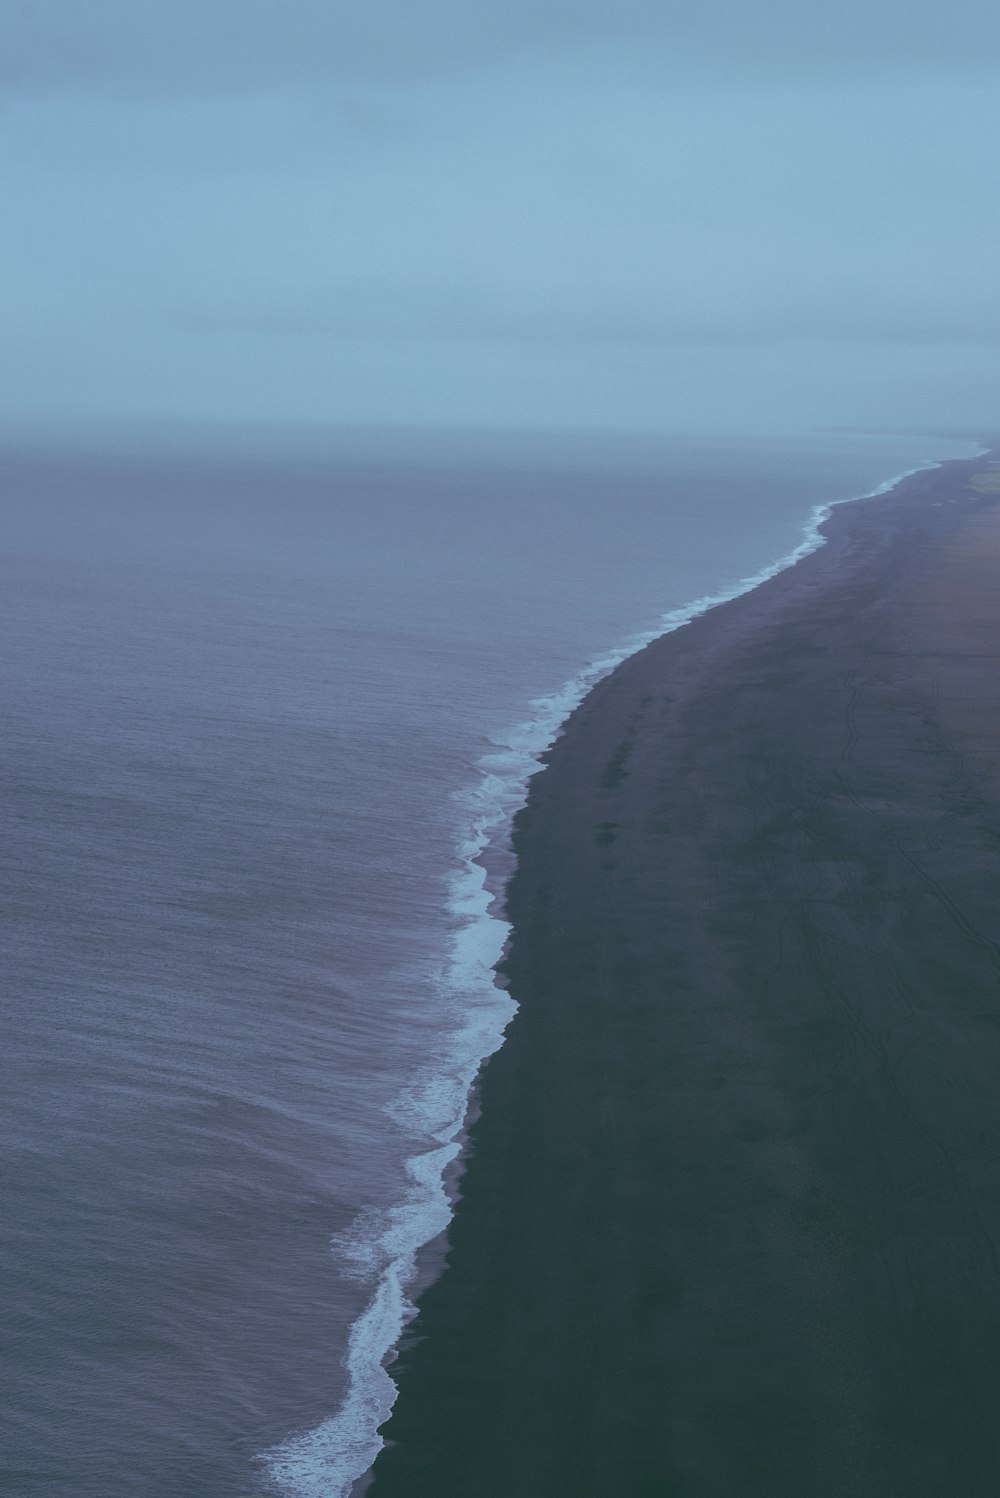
x=443, y=209
x=149, y=46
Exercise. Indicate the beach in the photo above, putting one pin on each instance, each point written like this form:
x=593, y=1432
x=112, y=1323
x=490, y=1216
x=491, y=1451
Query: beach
x=729, y=1218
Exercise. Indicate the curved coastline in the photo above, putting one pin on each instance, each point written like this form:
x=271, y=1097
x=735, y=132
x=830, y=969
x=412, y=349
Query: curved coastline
x=482, y=1385
x=331, y=1459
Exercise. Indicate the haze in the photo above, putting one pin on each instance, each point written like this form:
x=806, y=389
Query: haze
x=566, y=213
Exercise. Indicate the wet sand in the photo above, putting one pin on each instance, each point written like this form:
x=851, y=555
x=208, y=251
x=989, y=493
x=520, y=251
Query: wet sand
x=729, y=1226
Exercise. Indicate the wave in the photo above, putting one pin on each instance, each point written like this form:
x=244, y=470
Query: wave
x=382, y=1245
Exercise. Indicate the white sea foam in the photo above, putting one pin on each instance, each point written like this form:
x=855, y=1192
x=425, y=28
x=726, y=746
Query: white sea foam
x=382, y=1246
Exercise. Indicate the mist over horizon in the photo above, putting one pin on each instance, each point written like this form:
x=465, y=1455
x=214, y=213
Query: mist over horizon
x=611, y=217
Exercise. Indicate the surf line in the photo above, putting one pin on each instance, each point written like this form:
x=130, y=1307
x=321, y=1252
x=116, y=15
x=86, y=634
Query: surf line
x=383, y=1246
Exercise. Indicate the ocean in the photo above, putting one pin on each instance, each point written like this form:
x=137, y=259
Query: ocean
x=268, y=708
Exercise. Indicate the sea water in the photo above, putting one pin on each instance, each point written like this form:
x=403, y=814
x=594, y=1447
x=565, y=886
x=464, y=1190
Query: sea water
x=268, y=709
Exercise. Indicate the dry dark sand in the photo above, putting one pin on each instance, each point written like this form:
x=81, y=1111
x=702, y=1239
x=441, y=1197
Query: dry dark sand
x=730, y=1222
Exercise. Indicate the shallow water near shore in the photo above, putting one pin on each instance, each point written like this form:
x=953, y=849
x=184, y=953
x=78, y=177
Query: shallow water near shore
x=267, y=718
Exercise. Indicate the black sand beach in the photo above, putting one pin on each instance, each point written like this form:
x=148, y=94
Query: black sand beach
x=729, y=1226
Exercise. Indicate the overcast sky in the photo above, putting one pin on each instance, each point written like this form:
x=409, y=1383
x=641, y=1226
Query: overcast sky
x=612, y=213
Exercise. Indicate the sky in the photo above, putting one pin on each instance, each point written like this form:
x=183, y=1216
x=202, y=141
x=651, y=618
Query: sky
x=625, y=215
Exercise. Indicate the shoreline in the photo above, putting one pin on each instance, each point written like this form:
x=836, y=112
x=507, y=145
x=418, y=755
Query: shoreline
x=474, y=884
x=406, y=1247
x=413, y=1267
x=537, y=1154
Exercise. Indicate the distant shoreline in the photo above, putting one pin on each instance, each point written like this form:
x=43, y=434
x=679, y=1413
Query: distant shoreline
x=729, y=1216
